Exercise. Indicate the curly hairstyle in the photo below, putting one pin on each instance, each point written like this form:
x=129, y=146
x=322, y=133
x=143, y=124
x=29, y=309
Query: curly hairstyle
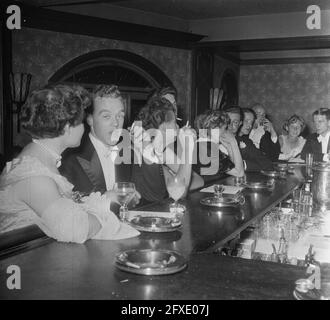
x=104, y=91
x=161, y=92
x=200, y=119
x=47, y=111
x=294, y=119
x=214, y=119
x=155, y=112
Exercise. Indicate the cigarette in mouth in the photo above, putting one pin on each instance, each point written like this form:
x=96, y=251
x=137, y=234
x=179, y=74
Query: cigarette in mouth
x=179, y=119
x=187, y=124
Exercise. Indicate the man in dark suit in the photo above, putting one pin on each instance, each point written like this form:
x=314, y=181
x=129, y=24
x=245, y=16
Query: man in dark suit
x=94, y=165
x=253, y=158
x=263, y=134
x=318, y=143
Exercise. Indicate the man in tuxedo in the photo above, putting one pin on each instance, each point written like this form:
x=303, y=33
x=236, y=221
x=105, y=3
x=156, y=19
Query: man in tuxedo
x=253, y=158
x=92, y=166
x=263, y=134
x=318, y=143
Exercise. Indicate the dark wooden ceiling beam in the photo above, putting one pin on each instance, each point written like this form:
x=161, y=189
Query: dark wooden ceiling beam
x=46, y=19
x=252, y=45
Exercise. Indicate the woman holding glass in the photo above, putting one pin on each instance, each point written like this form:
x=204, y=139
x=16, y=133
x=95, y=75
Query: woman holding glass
x=31, y=189
x=162, y=167
x=292, y=142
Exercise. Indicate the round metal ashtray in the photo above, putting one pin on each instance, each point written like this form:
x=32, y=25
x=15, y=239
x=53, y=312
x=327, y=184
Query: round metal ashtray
x=223, y=201
x=151, y=262
x=259, y=185
x=270, y=173
x=155, y=224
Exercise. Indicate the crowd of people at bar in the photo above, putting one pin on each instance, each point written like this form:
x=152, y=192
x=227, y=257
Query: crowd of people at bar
x=64, y=180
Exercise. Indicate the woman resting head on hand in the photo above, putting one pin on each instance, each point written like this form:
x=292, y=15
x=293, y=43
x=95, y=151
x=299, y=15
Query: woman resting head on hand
x=218, y=151
x=31, y=189
x=161, y=164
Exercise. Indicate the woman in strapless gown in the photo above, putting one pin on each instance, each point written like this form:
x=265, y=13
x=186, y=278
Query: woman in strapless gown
x=31, y=189
x=292, y=142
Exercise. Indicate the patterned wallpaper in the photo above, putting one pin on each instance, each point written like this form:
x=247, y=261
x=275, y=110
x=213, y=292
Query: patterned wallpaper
x=42, y=53
x=286, y=89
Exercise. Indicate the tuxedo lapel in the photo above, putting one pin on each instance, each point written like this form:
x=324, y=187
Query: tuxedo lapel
x=91, y=165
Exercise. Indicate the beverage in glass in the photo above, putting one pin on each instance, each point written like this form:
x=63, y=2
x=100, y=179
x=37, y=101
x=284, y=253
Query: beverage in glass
x=124, y=193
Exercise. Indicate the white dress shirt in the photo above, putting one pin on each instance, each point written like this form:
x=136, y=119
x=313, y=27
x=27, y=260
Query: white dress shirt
x=107, y=156
x=324, y=142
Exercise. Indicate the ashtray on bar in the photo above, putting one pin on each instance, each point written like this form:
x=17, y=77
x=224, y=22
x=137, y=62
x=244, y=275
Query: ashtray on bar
x=155, y=224
x=270, y=173
x=260, y=185
x=150, y=261
x=223, y=201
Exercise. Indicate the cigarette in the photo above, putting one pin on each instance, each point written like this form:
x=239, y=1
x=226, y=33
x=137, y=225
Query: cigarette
x=179, y=119
x=187, y=124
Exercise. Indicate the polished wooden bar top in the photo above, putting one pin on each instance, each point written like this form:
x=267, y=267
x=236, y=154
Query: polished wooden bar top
x=65, y=271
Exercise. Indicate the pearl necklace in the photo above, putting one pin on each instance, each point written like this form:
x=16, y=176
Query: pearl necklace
x=55, y=155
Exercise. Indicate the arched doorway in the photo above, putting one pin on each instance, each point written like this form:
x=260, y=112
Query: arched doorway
x=135, y=75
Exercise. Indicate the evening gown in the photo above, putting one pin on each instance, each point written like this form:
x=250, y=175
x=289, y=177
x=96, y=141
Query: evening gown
x=287, y=152
x=64, y=220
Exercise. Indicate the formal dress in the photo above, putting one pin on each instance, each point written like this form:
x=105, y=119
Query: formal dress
x=83, y=168
x=255, y=160
x=263, y=141
x=317, y=147
x=64, y=220
x=287, y=152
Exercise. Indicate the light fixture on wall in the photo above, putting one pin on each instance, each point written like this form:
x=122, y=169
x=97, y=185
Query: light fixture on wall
x=19, y=90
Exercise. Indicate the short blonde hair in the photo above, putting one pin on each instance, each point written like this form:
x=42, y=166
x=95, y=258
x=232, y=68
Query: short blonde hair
x=294, y=119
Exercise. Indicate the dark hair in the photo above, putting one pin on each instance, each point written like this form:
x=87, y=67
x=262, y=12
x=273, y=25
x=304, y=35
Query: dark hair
x=47, y=111
x=322, y=112
x=101, y=91
x=294, y=119
x=155, y=112
x=248, y=110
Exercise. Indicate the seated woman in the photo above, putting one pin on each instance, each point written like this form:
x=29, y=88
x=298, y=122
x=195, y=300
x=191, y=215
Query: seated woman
x=160, y=163
x=217, y=150
x=292, y=142
x=31, y=189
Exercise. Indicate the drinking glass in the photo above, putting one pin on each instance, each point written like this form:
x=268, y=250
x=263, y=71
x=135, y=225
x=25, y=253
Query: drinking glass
x=218, y=190
x=176, y=189
x=309, y=159
x=124, y=192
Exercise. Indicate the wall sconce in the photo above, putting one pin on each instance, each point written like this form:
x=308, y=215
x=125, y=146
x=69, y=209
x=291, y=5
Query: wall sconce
x=19, y=90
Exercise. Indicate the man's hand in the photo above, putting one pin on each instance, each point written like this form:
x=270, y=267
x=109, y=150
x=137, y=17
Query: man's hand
x=268, y=126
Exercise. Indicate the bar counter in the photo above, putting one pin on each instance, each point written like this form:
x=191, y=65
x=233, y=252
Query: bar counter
x=73, y=271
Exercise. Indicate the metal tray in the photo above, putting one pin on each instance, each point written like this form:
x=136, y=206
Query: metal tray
x=223, y=201
x=259, y=185
x=270, y=173
x=155, y=224
x=151, y=262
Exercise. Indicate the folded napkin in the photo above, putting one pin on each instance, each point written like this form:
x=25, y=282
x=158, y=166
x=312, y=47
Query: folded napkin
x=228, y=189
